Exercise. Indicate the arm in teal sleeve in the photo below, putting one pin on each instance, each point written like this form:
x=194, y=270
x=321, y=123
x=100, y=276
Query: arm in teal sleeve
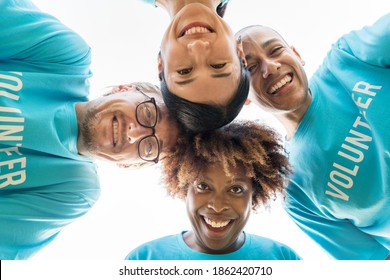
x=340, y=238
x=30, y=36
x=29, y=220
x=370, y=44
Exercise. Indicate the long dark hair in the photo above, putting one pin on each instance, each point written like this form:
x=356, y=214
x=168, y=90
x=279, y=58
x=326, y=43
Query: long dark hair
x=198, y=117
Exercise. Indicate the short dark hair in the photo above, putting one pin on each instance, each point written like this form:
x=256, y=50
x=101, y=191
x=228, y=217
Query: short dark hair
x=198, y=117
x=221, y=9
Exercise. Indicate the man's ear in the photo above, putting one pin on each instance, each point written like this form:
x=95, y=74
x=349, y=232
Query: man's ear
x=133, y=166
x=123, y=88
x=160, y=65
x=123, y=165
x=298, y=55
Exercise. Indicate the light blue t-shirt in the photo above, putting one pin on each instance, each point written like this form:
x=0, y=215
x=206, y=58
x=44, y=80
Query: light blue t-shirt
x=340, y=191
x=44, y=183
x=173, y=247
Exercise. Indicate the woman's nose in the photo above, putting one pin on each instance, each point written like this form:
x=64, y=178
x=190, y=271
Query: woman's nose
x=198, y=48
x=218, y=203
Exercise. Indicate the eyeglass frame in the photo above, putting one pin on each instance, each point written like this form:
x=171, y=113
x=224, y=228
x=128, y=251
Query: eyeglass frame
x=153, y=135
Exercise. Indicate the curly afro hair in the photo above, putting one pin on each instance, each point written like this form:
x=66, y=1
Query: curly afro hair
x=253, y=146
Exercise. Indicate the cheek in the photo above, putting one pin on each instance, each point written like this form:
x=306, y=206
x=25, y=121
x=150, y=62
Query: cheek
x=244, y=207
x=256, y=84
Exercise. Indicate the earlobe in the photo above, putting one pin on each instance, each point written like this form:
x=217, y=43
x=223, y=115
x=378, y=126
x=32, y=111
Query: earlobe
x=298, y=55
x=160, y=66
x=123, y=165
x=241, y=53
x=123, y=88
x=247, y=101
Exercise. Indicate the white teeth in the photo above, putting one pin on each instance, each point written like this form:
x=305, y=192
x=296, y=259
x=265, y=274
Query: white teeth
x=216, y=224
x=196, y=29
x=115, y=130
x=281, y=83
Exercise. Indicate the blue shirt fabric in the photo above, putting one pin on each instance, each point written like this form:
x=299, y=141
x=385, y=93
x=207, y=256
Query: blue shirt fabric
x=173, y=247
x=44, y=183
x=340, y=191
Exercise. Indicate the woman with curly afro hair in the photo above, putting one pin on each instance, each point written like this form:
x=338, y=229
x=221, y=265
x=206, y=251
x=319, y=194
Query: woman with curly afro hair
x=223, y=175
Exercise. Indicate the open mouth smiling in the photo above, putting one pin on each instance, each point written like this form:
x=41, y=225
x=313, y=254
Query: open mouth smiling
x=195, y=28
x=217, y=224
x=287, y=79
x=115, y=125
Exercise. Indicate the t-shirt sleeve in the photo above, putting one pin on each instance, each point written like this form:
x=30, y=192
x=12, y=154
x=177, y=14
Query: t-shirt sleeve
x=30, y=220
x=30, y=36
x=340, y=238
x=371, y=43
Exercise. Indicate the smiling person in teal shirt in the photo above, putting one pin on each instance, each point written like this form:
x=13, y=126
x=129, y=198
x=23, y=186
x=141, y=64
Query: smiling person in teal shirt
x=338, y=135
x=222, y=176
x=50, y=131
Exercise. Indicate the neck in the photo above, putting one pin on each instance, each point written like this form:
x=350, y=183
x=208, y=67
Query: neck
x=173, y=7
x=291, y=120
x=80, y=109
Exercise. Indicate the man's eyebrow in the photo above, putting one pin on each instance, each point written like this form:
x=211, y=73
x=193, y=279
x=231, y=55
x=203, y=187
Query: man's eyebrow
x=269, y=42
x=263, y=46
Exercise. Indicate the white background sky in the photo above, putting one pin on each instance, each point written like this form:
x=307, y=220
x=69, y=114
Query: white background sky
x=125, y=37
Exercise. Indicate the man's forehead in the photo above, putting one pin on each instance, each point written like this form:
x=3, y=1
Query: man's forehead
x=155, y=95
x=263, y=32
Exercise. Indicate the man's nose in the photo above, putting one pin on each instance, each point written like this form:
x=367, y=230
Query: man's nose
x=269, y=67
x=137, y=132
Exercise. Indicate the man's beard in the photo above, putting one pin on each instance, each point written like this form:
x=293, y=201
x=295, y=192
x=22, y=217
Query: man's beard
x=89, y=131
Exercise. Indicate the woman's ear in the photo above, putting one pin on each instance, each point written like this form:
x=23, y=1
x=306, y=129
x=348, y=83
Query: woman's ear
x=240, y=50
x=160, y=65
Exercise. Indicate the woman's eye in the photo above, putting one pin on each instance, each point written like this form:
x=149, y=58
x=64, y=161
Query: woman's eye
x=202, y=186
x=237, y=189
x=218, y=66
x=185, y=71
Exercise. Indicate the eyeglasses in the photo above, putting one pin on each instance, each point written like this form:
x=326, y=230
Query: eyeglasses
x=146, y=115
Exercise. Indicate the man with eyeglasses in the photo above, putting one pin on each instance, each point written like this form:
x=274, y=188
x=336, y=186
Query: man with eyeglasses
x=50, y=131
x=126, y=126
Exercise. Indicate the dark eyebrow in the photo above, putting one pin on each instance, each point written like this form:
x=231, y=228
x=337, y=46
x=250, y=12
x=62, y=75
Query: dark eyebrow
x=242, y=180
x=185, y=82
x=219, y=75
x=269, y=42
x=263, y=45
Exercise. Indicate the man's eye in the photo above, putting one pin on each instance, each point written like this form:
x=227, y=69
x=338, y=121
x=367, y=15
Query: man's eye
x=147, y=115
x=251, y=68
x=185, y=71
x=218, y=66
x=148, y=148
x=277, y=49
